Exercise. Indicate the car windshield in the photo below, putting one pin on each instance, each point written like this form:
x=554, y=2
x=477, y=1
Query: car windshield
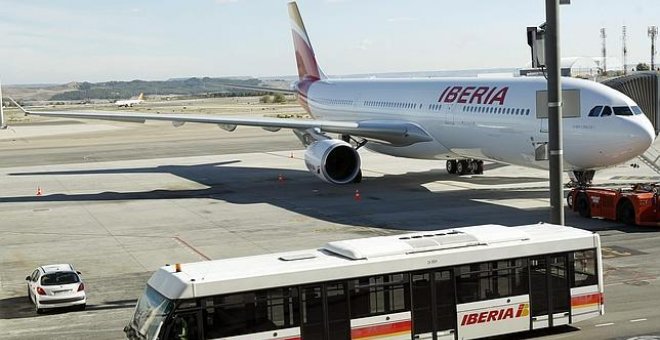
x=59, y=278
x=149, y=314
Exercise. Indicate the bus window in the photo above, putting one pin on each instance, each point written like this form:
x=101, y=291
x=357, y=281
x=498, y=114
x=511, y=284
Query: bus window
x=491, y=280
x=584, y=268
x=595, y=112
x=312, y=313
x=380, y=294
x=151, y=309
x=251, y=312
x=607, y=111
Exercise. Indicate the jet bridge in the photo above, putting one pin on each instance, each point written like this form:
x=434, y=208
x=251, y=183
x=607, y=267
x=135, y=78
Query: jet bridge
x=644, y=89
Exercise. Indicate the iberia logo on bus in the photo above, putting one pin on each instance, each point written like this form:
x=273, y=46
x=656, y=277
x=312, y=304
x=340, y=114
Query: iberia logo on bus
x=496, y=315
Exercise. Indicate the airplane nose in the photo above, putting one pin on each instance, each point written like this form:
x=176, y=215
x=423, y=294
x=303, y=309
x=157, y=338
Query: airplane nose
x=642, y=135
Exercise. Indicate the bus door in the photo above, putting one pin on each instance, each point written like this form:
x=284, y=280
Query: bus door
x=185, y=325
x=325, y=312
x=550, y=292
x=433, y=305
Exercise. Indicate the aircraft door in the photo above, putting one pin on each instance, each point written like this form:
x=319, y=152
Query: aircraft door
x=447, y=113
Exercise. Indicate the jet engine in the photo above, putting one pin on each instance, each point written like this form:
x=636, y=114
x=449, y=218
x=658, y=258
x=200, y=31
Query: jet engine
x=333, y=161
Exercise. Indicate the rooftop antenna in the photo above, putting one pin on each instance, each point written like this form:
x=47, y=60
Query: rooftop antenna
x=624, y=39
x=603, y=50
x=653, y=34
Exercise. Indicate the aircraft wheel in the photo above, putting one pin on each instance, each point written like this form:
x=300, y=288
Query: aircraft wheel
x=462, y=167
x=583, y=206
x=478, y=168
x=451, y=166
x=626, y=213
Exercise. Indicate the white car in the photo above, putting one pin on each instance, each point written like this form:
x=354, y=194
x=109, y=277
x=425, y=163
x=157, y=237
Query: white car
x=55, y=286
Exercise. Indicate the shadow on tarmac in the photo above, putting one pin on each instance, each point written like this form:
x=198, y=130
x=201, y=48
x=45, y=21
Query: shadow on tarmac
x=390, y=201
x=20, y=307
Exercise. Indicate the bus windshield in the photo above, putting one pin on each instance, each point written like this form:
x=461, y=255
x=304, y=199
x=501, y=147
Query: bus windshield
x=151, y=309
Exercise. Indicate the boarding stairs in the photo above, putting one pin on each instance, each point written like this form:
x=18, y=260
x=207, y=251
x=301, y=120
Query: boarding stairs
x=652, y=158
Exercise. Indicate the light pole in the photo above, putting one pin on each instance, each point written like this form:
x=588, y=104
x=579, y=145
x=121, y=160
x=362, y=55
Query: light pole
x=653, y=34
x=552, y=55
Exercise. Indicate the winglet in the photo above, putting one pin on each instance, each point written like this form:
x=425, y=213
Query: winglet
x=308, y=68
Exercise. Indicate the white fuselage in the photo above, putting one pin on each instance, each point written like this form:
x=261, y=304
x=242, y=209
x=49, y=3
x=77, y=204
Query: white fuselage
x=489, y=119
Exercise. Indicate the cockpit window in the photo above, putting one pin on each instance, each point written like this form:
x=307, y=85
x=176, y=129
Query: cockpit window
x=636, y=110
x=622, y=111
x=595, y=112
x=607, y=111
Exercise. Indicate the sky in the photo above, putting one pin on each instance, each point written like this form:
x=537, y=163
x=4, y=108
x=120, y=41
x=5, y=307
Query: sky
x=58, y=41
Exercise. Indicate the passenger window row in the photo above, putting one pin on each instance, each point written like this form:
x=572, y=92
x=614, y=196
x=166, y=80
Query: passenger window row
x=392, y=105
x=334, y=101
x=496, y=110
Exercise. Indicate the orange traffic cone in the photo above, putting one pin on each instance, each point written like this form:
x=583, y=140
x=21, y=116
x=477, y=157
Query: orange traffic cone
x=39, y=191
x=357, y=196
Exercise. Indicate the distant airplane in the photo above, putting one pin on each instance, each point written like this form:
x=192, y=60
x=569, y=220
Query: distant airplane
x=460, y=120
x=130, y=102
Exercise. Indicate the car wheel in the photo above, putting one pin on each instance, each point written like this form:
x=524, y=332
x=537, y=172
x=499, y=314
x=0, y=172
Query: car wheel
x=39, y=310
x=82, y=307
x=626, y=213
x=569, y=200
x=583, y=206
x=29, y=295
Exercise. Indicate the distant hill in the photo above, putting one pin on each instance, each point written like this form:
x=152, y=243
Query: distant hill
x=114, y=90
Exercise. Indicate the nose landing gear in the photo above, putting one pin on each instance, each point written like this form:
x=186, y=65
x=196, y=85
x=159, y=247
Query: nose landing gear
x=582, y=178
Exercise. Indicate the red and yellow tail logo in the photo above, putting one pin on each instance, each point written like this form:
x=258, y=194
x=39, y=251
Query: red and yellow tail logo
x=308, y=69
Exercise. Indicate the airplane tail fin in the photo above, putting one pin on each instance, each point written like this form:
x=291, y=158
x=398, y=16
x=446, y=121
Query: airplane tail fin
x=2, y=112
x=308, y=68
x=141, y=96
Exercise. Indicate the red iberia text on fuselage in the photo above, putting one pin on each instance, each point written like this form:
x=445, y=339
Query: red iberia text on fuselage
x=495, y=315
x=474, y=95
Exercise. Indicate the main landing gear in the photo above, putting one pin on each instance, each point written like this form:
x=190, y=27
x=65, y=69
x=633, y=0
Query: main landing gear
x=465, y=166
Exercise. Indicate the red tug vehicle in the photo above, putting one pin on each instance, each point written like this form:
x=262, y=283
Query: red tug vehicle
x=638, y=205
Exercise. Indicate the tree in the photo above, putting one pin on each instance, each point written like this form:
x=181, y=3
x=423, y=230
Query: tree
x=279, y=98
x=642, y=67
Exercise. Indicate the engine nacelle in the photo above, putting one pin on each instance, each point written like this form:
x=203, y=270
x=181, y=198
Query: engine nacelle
x=333, y=161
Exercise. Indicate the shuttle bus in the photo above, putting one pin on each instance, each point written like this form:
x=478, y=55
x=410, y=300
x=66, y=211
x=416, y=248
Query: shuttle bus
x=461, y=283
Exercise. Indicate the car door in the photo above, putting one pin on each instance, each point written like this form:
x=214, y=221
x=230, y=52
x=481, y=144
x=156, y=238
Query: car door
x=32, y=282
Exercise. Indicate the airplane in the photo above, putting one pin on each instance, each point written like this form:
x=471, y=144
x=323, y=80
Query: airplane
x=463, y=121
x=130, y=102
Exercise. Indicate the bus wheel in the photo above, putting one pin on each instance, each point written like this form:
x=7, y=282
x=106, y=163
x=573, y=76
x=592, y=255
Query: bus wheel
x=626, y=213
x=582, y=203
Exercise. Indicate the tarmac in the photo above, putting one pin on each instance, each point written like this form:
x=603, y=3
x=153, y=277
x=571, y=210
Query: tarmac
x=120, y=200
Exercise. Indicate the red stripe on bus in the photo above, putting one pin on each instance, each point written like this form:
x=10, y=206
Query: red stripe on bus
x=589, y=299
x=382, y=329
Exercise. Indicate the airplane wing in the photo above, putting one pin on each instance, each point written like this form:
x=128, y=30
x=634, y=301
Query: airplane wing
x=393, y=132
